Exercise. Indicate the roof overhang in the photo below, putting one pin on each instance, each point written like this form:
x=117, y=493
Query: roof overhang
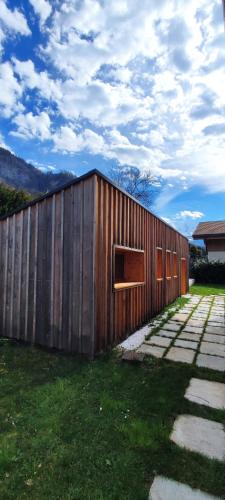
x=208, y=236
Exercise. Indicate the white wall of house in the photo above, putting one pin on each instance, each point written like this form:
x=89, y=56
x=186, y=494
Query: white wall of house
x=219, y=255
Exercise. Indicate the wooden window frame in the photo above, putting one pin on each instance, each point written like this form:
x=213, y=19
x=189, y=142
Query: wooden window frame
x=127, y=284
x=168, y=277
x=175, y=275
x=161, y=250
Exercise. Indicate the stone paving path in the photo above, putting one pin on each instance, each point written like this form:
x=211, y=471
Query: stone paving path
x=195, y=334
x=197, y=434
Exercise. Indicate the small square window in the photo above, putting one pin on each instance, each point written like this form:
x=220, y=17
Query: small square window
x=159, y=263
x=168, y=264
x=128, y=267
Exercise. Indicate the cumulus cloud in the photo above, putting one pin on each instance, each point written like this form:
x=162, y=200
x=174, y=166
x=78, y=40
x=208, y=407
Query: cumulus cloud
x=30, y=126
x=189, y=213
x=42, y=8
x=184, y=221
x=13, y=20
x=11, y=91
x=138, y=83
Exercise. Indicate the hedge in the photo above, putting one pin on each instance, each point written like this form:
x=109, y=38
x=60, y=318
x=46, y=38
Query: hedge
x=204, y=271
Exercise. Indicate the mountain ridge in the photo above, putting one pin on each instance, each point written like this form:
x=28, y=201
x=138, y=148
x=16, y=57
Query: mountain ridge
x=17, y=173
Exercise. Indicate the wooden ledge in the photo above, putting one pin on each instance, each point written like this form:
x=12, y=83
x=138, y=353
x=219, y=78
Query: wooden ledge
x=121, y=286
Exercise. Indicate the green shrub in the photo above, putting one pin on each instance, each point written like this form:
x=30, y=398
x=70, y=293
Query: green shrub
x=204, y=271
x=12, y=199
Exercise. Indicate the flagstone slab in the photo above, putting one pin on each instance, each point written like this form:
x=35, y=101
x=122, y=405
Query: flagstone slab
x=216, y=330
x=219, y=339
x=161, y=341
x=151, y=350
x=166, y=333
x=167, y=489
x=207, y=393
x=188, y=344
x=181, y=355
x=199, y=435
x=212, y=362
x=216, y=319
x=173, y=327
x=213, y=349
x=195, y=322
x=189, y=336
x=199, y=316
x=180, y=317
x=193, y=329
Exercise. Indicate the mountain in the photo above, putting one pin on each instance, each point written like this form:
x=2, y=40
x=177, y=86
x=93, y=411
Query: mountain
x=18, y=173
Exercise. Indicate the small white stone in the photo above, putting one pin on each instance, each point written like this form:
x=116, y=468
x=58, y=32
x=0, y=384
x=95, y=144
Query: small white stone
x=135, y=340
x=207, y=393
x=199, y=435
x=181, y=355
x=166, y=489
x=212, y=362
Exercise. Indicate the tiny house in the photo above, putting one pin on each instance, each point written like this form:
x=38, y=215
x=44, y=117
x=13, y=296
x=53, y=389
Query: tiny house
x=82, y=267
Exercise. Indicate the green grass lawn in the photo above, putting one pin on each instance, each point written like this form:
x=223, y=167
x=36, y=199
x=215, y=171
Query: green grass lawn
x=73, y=429
x=207, y=289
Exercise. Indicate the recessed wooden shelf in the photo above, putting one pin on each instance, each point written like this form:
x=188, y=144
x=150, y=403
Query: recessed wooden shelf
x=121, y=286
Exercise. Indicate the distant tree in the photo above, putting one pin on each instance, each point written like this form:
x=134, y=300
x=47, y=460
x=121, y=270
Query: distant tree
x=139, y=185
x=12, y=199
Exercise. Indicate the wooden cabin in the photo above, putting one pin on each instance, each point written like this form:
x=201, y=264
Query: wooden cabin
x=213, y=234
x=84, y=266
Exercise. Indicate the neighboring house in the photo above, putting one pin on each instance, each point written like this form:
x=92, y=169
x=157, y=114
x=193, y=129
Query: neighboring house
x=82, y=267
x=213, y=234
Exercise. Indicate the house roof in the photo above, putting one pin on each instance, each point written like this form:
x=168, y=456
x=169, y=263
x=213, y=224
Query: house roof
x=76, y=181
x=209, y=229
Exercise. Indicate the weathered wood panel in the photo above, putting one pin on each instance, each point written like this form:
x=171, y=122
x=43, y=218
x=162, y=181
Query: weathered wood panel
x=47, y=271
x=121, y=221
x=56, y=267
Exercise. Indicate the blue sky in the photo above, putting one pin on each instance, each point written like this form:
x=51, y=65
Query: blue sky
x=93, y=83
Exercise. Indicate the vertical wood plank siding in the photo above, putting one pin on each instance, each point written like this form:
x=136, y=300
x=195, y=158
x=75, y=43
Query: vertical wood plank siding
x=123, y=222
x=46, y=271
x=56, y=268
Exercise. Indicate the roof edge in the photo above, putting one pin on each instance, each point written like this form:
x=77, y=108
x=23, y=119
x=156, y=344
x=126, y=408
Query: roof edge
x=88, y=174
x=208, y=236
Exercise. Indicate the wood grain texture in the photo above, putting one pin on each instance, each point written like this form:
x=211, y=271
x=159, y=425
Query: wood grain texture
x=57, y=268
x=121, y=221
x=47, y=271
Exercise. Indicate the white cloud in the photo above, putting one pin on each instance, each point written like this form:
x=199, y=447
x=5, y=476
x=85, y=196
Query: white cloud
x=13, y=20
x=3, y=144
x=189, y=213
x=42, y=8
x=184, y=221
x=31, y=126
x=32, y=79
x=68, y=140
x=10, y=92
x=138, y=83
